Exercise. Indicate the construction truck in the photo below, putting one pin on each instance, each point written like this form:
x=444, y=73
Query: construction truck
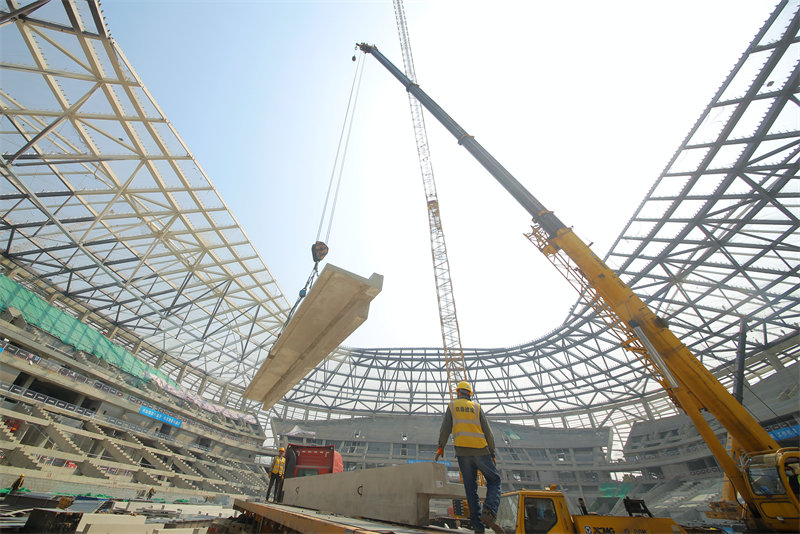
x=757, y=469
x=546, y=511
x=305, y=460
x=309, y=460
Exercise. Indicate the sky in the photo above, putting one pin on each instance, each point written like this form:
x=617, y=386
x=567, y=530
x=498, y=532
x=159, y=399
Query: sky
x=583, y=102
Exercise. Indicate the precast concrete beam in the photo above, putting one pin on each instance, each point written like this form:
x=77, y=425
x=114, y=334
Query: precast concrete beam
x=398, y=494
x=336, y=305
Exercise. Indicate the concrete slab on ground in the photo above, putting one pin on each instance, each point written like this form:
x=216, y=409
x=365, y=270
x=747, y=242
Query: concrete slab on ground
x=398, y=494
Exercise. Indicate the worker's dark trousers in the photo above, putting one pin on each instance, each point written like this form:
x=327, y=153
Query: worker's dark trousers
x=279, y=490
x=469, y=466
x=276, y=479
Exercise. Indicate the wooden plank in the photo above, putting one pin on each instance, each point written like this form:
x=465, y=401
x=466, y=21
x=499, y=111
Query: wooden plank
x=302, y=521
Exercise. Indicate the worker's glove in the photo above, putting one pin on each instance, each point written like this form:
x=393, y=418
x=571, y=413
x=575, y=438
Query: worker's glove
x=494, y=459
x=439, y=452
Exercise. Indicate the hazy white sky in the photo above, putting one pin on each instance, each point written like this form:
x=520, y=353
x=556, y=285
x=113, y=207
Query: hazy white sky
x=584, y=102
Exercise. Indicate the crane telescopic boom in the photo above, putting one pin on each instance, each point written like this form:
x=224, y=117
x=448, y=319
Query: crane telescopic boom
x=687, y=382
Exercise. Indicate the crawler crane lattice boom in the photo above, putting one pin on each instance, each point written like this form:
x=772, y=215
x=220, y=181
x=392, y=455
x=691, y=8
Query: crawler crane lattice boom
x=687, y=382
x=451, y=336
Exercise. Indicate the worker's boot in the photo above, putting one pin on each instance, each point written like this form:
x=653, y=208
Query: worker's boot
x=490, y=520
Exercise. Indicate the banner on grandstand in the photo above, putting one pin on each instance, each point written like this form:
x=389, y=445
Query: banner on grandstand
x=149, y=412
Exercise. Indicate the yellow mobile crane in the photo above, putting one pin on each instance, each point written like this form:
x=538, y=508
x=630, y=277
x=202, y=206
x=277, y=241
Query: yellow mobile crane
x=759, y=475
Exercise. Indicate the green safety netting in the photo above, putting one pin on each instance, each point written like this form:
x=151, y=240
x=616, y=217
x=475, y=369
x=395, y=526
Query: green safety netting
x=615, y=489
x=6, y=491
x=71, y=331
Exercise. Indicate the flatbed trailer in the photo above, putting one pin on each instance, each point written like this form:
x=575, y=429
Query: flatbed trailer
x=274, y=517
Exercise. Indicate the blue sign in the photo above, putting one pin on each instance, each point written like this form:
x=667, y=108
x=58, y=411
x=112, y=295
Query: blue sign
x=422, y=461
x=149, y=412
x=785, y=433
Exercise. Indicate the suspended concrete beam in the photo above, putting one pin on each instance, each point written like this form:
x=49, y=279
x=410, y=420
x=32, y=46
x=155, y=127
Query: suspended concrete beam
x=336, y=305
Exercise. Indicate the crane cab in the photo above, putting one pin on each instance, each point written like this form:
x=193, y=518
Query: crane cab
x=534, y=512
x=773, y=479
x=546, y=512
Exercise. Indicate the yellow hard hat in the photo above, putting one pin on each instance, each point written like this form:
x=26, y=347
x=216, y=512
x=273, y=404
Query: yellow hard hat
x=282, y=450
x=463, y=385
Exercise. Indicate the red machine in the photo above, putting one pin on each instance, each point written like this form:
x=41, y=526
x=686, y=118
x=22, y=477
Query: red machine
x=306, y=460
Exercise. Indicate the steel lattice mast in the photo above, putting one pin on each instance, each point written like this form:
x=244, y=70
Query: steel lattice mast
x=451, y=337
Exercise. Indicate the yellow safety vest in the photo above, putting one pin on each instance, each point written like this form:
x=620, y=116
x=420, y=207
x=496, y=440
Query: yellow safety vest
x=467, y=431
x=278, y=465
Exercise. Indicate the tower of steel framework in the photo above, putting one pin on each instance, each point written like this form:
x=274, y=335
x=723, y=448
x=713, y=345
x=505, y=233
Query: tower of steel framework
x=105, y=213
x=448, y=318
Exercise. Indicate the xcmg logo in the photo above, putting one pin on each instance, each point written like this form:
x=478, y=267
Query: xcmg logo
x=610, y=530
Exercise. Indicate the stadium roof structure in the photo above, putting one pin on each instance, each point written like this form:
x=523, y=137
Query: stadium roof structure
x=106, y=214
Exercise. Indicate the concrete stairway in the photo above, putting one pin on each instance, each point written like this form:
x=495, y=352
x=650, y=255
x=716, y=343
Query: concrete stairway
x=116, y=452
x=198, y=472
x=248, y=475
x=130, y=437
x=18, y=457
x=143, y=477
x=229, y=488
x=154, y=459
x=160, y=445
x=93, y=427
x=6, y=434
x=207, y=471
x=183, y=466
x=179, y=482
x=207, y=485
x=110, y=444
x=142, y=451
x=89, y=468
x=62, y=441
x=233, y=473
x=80, y=356
x=214, y=466
x=209, y=476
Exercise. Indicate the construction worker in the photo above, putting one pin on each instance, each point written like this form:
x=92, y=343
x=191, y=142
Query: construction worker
x=17, y=485
x=474, y=443
x=276, y=473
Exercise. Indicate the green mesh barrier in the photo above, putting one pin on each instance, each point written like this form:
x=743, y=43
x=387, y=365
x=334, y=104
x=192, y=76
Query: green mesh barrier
x=71, y=331
x=614, y=489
